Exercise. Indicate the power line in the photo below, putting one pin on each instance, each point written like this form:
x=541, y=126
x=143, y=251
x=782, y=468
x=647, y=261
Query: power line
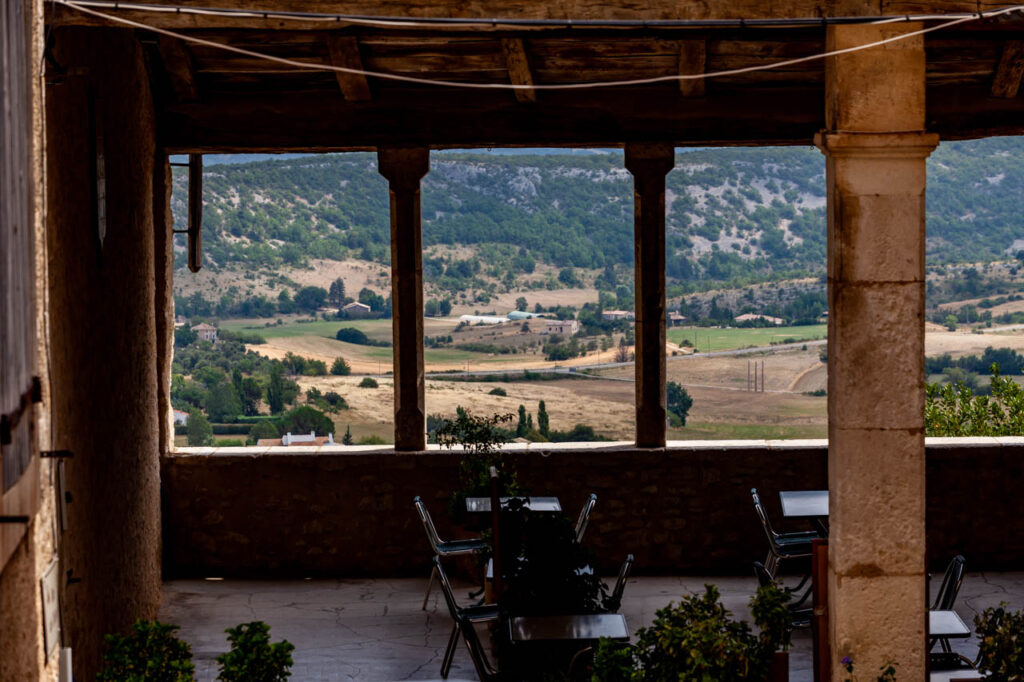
x=303, y=66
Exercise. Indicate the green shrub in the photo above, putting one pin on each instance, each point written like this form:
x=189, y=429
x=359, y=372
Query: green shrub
x=151, y=653
x=372, y=440
x=1001, y=652
x=498, y=391
x=263, y=429
x=340, y=367
x=305, y=419
x=252, y=657
x=368, y=382
x=699, y=640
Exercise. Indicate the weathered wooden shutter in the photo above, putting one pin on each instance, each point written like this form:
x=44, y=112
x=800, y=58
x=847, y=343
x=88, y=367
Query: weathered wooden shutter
x=19, y=484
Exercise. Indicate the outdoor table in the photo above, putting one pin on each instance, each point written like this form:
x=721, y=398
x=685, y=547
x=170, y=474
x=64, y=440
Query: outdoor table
x=578, y=628
x=947, y=624
x=538, y=504
x=806, y=504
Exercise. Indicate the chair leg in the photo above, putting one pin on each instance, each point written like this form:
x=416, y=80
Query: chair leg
x=800, y=585
x=449, y=653
x=430, y=584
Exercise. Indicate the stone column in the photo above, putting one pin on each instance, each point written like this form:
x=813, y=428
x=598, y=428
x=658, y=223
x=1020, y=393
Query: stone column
x=404, y=168
x=876, y=148
x=649, y=164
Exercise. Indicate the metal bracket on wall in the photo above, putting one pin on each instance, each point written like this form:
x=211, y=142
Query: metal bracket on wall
x=195, y=211
x=57, y=454
x=14, y=519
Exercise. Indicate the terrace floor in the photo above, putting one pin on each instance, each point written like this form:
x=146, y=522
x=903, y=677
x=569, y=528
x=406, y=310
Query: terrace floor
x=375, y=630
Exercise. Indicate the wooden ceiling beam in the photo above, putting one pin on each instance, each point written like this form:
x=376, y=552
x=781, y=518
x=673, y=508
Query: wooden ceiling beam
x=609, y=10
x=519, y=72
x=693, y=57
x=1006, y=83
x=344, y=52
x=178, y=63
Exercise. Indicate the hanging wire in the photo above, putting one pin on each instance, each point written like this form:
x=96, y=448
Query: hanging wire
x=303, y=66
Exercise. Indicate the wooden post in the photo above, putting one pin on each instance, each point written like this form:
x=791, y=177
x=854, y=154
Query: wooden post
x=404, y=168
x=649, y=164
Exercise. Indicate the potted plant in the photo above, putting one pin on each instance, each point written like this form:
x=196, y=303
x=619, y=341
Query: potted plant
x=545, y=572
x=252, y=657
x=699, y=640
x=1001, y=651
x=480, y=439
x=150, y=653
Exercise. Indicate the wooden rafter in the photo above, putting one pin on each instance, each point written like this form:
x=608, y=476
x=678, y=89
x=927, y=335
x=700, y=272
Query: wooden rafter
x=693, y=56
x=178, y=64
x=1008, y=76
x=344, y=51
x=519, y=68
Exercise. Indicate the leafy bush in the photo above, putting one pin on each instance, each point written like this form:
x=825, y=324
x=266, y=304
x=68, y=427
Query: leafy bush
x=368, y=382
x=199, y=430
x=151, y=653
x=1001, y=652
x=699, y=640
x=372, y=440
x=263, y=429
x=358, y=337
x=954, y=410
x=498, y=391
x=305, y=419
x=340, y=367
x=252, y=657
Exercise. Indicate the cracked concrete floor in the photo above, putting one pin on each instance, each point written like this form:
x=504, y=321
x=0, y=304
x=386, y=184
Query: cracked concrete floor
x=375, y=630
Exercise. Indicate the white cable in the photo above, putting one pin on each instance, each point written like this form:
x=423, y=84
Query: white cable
x=510, y=86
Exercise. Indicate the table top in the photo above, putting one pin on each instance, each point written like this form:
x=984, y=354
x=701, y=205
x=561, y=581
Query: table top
x=592, y=626
x=540, y=504
x=947, y=624
x=804, y=503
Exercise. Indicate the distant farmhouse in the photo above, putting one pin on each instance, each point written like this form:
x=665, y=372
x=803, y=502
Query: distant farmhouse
x=289, y=439
x=564, y=327
x=675, y=319
x=751, y=317
x=356, y=309
x=615, y=315
x=206, y=332
x=180, y=418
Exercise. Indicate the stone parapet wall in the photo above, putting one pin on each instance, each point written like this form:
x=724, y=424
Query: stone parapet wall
x=347, y=511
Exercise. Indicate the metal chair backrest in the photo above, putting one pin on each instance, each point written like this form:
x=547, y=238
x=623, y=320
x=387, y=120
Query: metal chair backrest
x=765, y=523
x=951, y=582
x=620, y=582
x=764, y=578
x=581, y=523
x=476, y=649
x=428, y=524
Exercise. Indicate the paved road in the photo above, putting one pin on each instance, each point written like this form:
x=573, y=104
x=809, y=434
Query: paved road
x=580, y=370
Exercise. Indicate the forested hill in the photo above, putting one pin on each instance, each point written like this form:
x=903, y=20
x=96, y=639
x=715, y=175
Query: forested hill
x=731, y=212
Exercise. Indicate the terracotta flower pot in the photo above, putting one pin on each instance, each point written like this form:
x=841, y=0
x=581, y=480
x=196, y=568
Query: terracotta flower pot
x=778, y=669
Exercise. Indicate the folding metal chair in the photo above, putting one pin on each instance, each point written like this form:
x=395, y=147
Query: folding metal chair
x=444, y=548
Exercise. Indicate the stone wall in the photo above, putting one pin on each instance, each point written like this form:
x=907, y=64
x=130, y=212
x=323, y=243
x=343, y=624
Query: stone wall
x=103, y=335
x=348, y=511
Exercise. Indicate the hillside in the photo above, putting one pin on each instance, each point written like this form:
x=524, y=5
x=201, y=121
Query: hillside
x=499, y=220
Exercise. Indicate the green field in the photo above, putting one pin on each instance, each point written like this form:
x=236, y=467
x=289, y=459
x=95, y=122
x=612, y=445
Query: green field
x=375, y=329
x=707, y=339
x=721, y=431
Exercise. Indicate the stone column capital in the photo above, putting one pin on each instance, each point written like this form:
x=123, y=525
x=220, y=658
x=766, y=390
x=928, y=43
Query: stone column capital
x=914, y=144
